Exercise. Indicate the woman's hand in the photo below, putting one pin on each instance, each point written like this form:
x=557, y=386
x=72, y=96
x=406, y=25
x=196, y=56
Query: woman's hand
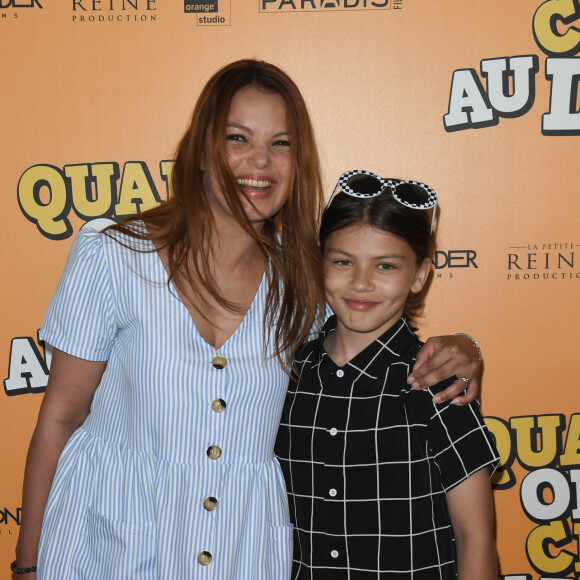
x=442, y=357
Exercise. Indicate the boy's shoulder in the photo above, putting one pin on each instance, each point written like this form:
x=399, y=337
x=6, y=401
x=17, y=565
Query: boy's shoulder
x=410, y=356
x=306, y=350
x=316, y=342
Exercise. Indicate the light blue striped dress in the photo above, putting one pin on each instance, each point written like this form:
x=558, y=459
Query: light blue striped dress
x=127, y=501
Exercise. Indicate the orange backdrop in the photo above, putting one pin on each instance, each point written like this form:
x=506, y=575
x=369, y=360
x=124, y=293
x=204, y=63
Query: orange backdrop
x=477, y=99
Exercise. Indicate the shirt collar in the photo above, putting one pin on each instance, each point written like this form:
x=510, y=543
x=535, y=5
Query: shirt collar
x=367, y=365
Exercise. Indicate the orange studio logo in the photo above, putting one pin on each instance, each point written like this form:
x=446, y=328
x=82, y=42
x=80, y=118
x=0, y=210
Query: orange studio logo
x=510, y=81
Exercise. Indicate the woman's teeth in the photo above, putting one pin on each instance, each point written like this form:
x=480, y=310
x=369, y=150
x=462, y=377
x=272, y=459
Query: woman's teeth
x=254, y=183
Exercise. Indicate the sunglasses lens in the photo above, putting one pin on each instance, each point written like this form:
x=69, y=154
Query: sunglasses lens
x=413, y=195
x=365, y=185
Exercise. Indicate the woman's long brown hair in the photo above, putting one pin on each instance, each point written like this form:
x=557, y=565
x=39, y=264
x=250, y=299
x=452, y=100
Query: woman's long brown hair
x=184, y=227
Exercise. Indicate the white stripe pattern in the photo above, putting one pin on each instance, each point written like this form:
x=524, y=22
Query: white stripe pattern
x=368, y=460
x=127, y=498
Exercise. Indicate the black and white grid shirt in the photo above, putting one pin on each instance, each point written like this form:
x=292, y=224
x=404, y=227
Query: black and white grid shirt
x=367, y=462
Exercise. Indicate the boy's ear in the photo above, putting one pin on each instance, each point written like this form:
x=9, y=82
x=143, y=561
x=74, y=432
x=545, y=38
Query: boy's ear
x=423, y=270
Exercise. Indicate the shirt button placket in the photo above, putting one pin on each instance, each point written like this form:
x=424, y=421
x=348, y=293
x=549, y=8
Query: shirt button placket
x=214, y=452
x=218, y=405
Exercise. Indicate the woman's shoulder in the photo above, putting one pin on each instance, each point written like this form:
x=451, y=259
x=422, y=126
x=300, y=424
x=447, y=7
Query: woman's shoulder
x=118, y=248
x=133, y=235
x=115, y=241
x=88, y=241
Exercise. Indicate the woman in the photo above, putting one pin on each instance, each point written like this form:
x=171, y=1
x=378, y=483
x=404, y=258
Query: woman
x=171, y=336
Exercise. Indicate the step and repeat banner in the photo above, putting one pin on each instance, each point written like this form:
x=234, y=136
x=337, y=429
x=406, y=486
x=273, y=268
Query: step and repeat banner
x=477, y=99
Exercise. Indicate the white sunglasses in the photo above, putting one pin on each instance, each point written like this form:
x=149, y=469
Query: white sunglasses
x=364, y=184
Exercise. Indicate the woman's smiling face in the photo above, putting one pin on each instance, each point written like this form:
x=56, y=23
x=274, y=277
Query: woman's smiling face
x=258, y=153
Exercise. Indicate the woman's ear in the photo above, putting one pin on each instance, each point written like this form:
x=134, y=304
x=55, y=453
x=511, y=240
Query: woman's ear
x=423, y=271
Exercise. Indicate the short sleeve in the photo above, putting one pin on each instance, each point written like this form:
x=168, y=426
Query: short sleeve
x=80, y=319
x=460, y=442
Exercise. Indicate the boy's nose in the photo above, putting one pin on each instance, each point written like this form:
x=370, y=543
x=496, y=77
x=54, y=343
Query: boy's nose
x=361, y=280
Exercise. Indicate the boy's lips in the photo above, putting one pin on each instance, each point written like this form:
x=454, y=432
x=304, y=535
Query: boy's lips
x=358, y=304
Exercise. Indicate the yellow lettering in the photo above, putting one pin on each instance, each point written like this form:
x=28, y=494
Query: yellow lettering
x=137, y=192
x=549, y=38
x=503, y=478
x=531, y=451
x=554, y=533
x=571, y=455
x=89, y=204
x=166, y=169
x=50, y=216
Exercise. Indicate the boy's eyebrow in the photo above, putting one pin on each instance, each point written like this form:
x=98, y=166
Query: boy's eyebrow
x=337, y=251
x=383, y=257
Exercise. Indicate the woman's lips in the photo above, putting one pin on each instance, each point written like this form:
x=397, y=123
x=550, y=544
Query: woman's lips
x=256, y=188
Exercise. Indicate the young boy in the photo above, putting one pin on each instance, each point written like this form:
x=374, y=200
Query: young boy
x=382, y=482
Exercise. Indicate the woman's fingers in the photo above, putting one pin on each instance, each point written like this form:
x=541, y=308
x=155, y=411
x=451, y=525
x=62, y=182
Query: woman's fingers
x=456, y=392
x=445, y=356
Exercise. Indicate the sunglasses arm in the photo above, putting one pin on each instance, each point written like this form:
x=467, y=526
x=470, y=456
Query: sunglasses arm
x=336, y=190
x=433, y=216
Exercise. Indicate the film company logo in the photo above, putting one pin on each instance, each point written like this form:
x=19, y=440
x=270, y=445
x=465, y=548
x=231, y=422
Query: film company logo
x=210, y=12
x=9, y=8
x=447, y=262
x=113, y=11
x=8, y=518
x=5, y=4
x=285, y=6
x=542, y=261
x=200, y=7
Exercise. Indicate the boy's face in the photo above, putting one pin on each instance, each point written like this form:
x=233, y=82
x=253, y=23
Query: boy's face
x=368, y=275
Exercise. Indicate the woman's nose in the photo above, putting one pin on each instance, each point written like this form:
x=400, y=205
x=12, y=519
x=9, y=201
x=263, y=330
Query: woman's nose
x=261, y=156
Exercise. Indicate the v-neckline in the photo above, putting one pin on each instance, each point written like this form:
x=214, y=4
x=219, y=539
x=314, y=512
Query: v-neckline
x=174, y=291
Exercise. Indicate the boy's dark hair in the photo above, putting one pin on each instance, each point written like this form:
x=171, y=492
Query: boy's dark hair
x=384, y=213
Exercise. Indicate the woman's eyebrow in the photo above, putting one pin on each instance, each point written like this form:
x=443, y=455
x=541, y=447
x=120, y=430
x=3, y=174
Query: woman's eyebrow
x=248, y=130
x=238, y=126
